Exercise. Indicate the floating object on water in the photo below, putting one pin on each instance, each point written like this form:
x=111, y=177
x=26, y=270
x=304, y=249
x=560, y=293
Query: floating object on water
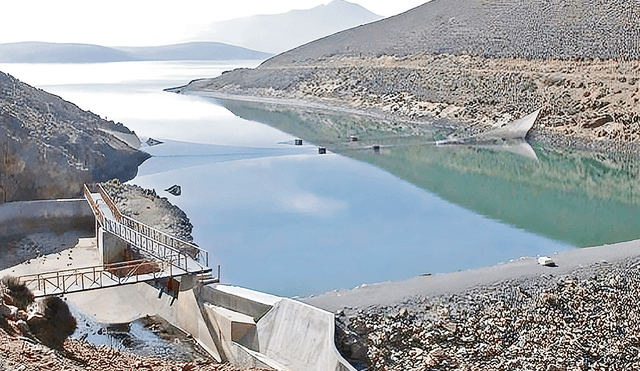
x=322, y=150
x=153, y=142
x=353, y=138
x=546, y=261
x=175, y=190
x=298, y=142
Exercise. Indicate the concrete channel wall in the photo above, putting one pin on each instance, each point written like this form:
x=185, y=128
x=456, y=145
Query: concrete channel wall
x=20, y=216
x=48, y=209
x=237, y=325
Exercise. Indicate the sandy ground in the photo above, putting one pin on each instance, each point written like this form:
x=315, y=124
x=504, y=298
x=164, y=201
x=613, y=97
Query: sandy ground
x=389, y=293
x=83, y=254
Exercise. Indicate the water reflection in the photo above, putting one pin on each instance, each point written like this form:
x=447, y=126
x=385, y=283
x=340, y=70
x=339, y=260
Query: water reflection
x=293, y=222
x=582, y=198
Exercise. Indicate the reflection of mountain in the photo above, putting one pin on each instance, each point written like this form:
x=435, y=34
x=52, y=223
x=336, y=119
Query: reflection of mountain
x=582, y=198
x=41, y=52
x=276, y=33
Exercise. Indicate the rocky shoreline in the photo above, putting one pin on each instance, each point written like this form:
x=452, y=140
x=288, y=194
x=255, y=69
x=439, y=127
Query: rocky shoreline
x=23, y=354
x=147, y=207
x=588, y=104
x=580, y=320
x=49, y=147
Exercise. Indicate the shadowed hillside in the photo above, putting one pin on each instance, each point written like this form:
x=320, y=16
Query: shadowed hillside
x=50, y=147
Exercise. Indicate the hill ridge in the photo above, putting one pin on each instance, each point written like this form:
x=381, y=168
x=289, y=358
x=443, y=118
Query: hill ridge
x=530, y=29
x=46, y=52
x=277, y=33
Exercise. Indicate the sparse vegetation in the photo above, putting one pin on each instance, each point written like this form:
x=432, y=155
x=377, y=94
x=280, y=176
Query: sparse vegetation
x=18, y=292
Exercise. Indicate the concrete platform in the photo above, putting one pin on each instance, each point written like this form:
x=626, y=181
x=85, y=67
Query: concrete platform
x=84, y=254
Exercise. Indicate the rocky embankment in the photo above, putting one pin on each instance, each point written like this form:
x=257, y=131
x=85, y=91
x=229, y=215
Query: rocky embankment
x=147, y=207
x=584, y=320
x=50, y=147
x=20, y=353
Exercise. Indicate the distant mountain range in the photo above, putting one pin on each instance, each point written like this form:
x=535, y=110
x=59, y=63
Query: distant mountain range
x=42, y=52
x=280, y=32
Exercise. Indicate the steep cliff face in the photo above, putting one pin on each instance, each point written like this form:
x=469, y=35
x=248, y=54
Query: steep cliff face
x=50, y=147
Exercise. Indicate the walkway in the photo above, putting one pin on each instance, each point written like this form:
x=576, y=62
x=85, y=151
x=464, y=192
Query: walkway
x=96, y=277
x=164, y=256
x=146, y=240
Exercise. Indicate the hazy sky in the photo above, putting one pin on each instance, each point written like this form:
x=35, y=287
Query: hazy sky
x=144, y=22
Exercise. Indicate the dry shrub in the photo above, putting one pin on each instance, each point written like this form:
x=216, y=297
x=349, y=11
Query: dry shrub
x=19, y=292
x=56, y=325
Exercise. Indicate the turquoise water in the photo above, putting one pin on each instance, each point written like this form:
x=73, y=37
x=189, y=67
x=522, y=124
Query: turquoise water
x=579, y=197
x=292, y=222
x=280, y=218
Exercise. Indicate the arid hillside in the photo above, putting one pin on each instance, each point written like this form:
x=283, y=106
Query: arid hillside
x=476, y=64
x=50, y=147
x=531, y=29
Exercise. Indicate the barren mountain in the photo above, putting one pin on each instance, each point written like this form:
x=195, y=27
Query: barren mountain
x=473, y=62
x=275, y=33
x=43, y=52
x=531, y=29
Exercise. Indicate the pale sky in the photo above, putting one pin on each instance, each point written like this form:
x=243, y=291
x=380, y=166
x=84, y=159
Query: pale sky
x=144, y=22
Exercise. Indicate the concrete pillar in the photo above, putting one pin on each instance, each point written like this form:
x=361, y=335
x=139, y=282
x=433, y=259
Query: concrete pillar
x=112, y=248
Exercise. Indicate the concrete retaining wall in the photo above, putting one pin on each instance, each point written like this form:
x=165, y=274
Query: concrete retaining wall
x=112, y=248
x=18, y=217
x=288, y=335
x=67, y=208
x=248, y=302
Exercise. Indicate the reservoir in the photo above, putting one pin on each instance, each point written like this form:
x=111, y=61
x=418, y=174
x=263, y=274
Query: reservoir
x=283, y=219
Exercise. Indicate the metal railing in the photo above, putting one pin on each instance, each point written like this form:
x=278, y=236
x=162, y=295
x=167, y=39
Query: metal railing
x=90, y=278
x=148, y=245
x=92, y=204
x=148, y=239
x=184, y=247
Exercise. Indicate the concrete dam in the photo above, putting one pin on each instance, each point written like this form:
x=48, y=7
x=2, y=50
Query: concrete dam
x=125, y=270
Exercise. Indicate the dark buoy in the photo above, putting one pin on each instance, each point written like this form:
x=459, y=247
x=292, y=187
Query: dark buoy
x=298, y=142
x=322, y=150
x=175, y=190
x=376, y=148
x=153, y=142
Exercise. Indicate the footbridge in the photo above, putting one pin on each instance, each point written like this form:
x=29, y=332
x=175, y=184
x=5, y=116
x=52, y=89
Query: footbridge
x=159, y=257
x=130, y=270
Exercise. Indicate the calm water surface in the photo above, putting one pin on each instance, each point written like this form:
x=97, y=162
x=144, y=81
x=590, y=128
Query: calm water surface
x=281, y=218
